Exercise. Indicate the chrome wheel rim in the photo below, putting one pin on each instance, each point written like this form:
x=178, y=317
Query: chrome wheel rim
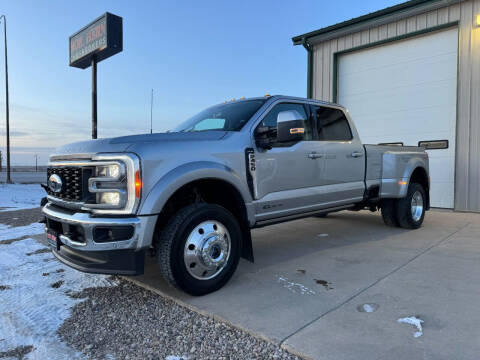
x=207, y=250
x=417, y=206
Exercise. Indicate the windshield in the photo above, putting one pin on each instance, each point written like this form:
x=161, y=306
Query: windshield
x=226, y=117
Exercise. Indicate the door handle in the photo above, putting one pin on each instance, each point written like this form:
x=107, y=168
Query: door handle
x=314, y=156
x=357, y=154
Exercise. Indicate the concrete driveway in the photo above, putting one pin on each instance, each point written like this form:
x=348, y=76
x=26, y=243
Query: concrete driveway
x=312, y=278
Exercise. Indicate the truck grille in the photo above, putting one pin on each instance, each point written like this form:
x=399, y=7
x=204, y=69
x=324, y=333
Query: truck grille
x=72, y=183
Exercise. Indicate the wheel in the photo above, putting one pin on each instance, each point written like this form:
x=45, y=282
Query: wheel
x=199, y=248
x=389, y=212
x=411, y=209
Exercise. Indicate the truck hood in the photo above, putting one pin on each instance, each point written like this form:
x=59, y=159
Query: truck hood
x=123, y=143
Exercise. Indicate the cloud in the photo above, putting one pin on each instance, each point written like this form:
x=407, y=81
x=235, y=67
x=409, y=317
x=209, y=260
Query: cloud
x=14, y=133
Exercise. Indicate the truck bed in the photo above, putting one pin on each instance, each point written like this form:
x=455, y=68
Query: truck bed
x=390, y=163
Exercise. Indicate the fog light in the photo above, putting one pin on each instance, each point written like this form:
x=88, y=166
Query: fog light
x=111, y=198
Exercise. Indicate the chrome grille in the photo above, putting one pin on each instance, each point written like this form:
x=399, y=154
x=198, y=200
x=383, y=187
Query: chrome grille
x=72, y=183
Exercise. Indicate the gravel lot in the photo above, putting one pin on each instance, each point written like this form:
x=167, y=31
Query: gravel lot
x=20, y=217
x=128, y=322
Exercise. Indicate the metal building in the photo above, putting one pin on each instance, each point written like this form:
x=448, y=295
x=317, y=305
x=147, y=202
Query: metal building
x=410, y=74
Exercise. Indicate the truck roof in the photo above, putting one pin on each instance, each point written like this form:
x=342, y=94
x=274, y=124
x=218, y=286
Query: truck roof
x=286, y=97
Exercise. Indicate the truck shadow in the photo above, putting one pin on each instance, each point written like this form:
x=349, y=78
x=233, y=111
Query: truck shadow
x=295, y=239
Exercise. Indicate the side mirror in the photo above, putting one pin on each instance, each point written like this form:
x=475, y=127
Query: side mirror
x=290, y=126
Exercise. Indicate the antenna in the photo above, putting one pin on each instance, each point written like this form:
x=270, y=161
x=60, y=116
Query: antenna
x=151, y=113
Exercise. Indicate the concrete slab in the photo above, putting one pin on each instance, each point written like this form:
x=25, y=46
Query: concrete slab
x=441, y=287
x=309, y=270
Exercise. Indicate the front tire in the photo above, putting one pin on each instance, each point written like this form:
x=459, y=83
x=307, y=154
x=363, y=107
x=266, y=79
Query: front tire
x=411, y=209
x=199, y=249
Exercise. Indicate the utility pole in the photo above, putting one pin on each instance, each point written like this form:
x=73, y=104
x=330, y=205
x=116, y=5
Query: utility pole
x=0, y=160
x=7, y=106
x=151, y=113
x=36, y=163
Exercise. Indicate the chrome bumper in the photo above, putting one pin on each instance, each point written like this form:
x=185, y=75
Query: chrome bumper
x=141, y=238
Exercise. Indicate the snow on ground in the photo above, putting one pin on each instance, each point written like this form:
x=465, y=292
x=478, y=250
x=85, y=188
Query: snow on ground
x=20, y=196
x=294, y=287
x=8, y=232
x=413, y=320
x=368, y=308
x=34, y=299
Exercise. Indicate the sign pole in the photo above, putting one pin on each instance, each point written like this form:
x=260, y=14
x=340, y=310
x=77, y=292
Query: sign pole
x=94, y=97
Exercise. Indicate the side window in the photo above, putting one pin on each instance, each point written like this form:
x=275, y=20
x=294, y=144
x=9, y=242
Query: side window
x=332, y=125
x=270, y=120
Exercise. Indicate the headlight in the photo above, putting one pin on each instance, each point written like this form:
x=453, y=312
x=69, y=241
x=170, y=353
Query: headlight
x=115, y=184
x=112, y=171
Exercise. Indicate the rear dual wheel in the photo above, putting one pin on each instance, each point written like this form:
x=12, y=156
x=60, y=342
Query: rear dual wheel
x=407, y=212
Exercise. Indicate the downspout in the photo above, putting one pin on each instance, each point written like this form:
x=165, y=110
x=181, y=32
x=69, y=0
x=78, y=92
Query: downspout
x=309, y=48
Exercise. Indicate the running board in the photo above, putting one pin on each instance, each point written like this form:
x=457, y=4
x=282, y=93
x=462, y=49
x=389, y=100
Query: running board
x=300, y=216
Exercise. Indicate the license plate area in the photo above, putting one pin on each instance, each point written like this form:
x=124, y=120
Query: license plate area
x=53, y=239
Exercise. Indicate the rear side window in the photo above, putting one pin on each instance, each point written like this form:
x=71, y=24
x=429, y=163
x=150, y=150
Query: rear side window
x=332, y=125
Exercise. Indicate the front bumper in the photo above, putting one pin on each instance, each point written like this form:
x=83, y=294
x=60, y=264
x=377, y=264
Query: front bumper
x=79, y=245
x=114, y=262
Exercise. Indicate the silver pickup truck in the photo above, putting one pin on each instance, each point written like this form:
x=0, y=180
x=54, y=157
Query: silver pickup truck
x=191, y=196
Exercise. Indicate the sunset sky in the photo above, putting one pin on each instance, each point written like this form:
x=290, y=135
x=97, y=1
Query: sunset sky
x=192, y=53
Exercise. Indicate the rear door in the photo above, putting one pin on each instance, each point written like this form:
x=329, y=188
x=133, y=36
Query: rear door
x=344, y=157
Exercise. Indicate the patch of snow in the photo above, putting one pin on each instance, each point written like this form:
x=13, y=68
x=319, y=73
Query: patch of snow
x=32, y=310
x=294, y=287
x=8, y=232
x=413, y=320
x=368, y=308
x=174, y=357
x=20, y=196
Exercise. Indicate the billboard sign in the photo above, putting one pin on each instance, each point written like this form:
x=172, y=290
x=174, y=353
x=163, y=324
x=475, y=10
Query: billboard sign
x=101, y=39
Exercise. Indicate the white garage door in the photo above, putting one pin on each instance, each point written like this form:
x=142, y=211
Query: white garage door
x=406, y=91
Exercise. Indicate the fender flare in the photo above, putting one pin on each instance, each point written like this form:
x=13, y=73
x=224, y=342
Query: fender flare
x=187, y=173
x=418, y=165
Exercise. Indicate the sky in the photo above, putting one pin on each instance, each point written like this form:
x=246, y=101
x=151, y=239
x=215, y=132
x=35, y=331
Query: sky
x=192, y=53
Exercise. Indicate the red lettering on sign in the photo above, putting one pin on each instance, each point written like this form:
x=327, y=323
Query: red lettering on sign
x=95, y=33
x=76, y=43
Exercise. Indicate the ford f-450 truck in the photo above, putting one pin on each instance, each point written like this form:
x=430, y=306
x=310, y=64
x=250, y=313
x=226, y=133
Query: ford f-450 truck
x=192, y=195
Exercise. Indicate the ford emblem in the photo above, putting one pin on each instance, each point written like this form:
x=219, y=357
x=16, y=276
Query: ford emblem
x=55, y=183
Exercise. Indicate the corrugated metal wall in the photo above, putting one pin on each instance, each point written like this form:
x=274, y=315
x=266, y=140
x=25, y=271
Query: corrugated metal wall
x=467, y=178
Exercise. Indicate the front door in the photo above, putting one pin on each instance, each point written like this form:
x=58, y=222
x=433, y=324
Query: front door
x=288, y=176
